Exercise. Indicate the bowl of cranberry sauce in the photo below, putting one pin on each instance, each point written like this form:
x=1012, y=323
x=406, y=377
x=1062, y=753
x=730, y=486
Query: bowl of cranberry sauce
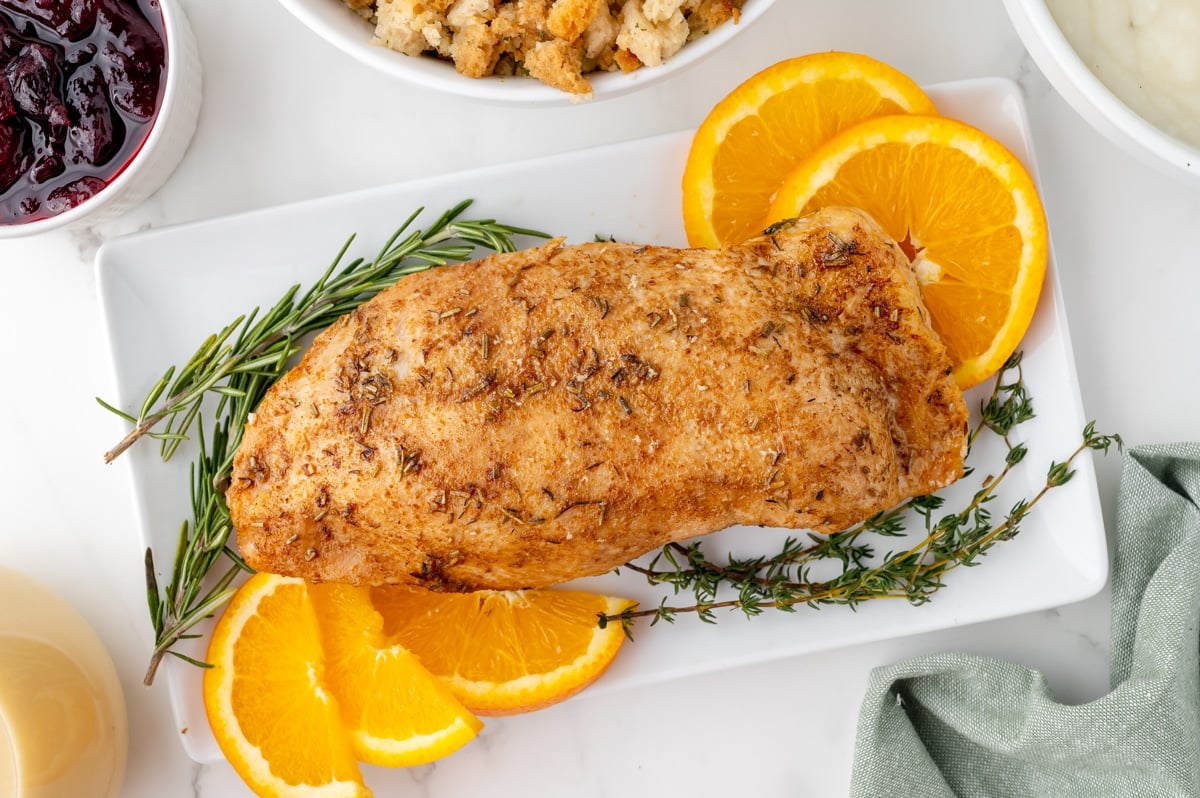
x=98, y=101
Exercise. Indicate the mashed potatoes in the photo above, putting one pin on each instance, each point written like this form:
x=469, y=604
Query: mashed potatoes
x=1145, y=51
x=555, y=41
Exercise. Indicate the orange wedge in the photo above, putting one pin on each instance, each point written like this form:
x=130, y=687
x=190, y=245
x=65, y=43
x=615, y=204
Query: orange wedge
x=396, y=713
x=765, y=127
x=966, y=212
x=269, y=709
x=505, y=652
x=303, y=682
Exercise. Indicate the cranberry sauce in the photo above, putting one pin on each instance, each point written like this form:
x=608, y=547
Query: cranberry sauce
x=80, y=83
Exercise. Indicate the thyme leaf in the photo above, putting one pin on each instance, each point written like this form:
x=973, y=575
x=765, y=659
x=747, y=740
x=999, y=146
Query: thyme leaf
x=783, y=581
x=233, y=369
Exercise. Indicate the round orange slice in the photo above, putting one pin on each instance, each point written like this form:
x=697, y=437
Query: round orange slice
x=964, y=209
x=396, y=713
x=765, y=127
x=270, y=711
x=505, y=652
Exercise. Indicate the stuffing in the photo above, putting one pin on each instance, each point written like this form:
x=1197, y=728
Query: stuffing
x=660, y=10
x=473, y=50
x=601, y=35
x=468, y=12
x=559, y=64
x=652, y=40
x=568, y=19
x=412, y=27
x=557, y=42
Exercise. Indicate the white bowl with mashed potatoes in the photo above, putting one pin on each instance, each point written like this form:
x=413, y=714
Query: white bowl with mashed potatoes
x=652, y=39
x=1130, y=67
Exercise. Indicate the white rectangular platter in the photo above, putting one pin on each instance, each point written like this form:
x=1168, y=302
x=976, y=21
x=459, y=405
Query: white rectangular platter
x=163, y=291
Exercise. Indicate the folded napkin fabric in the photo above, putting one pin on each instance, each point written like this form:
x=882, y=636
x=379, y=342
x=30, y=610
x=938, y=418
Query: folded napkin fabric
x=961, y=726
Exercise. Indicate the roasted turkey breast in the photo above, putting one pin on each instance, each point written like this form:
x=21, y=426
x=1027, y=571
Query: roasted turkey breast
x=525, y=419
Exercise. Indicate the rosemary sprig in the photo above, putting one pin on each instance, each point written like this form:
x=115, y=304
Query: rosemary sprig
x=237, y=366
x=783, y=581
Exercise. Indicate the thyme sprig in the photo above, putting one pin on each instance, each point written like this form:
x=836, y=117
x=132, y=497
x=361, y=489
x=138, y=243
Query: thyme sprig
x=236, y=367
x=784, y=581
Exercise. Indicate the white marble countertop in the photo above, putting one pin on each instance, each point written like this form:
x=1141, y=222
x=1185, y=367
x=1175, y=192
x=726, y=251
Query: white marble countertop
x=286, y=117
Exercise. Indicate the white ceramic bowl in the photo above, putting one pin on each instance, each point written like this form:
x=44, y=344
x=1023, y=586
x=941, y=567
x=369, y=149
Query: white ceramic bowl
x=164, y=146
x=1095, y=101
x=333, y=21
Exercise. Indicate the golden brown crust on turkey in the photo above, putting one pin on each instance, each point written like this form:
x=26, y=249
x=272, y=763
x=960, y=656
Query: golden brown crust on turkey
x=529, y=418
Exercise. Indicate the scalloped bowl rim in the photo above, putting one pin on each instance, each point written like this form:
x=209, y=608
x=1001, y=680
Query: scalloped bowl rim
x=176, y=34
x=1091, y=98
x=337, y=24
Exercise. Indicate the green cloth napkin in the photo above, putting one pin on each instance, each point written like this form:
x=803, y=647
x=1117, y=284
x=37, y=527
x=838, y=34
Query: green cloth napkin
x=963, y=726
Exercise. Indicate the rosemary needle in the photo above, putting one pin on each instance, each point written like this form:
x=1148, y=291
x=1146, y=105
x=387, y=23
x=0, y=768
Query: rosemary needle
x=237, y=365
